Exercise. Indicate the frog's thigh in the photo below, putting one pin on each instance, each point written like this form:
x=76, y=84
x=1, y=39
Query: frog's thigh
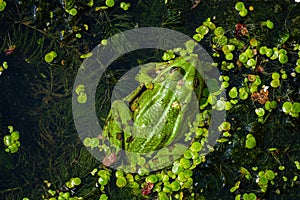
x=123, y=115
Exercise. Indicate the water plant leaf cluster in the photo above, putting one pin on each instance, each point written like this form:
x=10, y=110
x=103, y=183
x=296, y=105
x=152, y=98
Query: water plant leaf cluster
x=11, y=141
x=255, y=47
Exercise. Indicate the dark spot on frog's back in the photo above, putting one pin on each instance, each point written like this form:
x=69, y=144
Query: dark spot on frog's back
x=129, y=139
x=129, y=122
x=119, y=136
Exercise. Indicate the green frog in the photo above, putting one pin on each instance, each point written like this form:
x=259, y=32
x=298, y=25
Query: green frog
x=159, y=111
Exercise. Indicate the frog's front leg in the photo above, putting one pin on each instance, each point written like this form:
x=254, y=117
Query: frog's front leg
x=117, y=129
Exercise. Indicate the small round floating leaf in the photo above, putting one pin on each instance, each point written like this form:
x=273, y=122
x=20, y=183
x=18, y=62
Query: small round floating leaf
x=143, y=171
x=198, y=37
x=163, y=196
x=5, y=65
x=103, y=180
x=283, y=58
x=94, y=142
x=202, y=30
x=167, y=188
x=212, y=99
x=270, y=175
x=243, y=94
x=249, y=53
x=269, y=52
x=263, y=180
x=82, y=98
x=49, y=57
x=121, y=182
x=270, y=24
x=233, y=93
x=250, y=141
x=76, y=181
x=188, y=154
x=225, y=126
x=54, y=54
x=275, y=83
x=141, y=161
x=282, y=51
x=226, y=48
x=189, y=46
x=296, y=107
x=251, y=62
x=243, y=57
x=196, y=146
x=273, y=104
x=13, y=148
x=103, y=197
x=243, y=13
x=275, y=54
x=151, y=178
x=188, y=173
x=275, y=75
x=175, y=186
x=228, y=105
x=87, y=142
x=185, y=163
x=177, y=168
x=219, y=31
x=253, y=42
x=15, y=135
x=225, y=84
x=65, y=195
x=239, y=6
x=229, y=56
x=110, y=3
x=297, y=69
x=80, y=89
x=220, y=105
x=73, y=11
x=78, y=35
x=260, y=112
x=222, y=40
x=257, y=81
x=181, y=177
x=263, y=50
x=124, y=5
x=287, y=107
x=7, y=140
x=268, y=105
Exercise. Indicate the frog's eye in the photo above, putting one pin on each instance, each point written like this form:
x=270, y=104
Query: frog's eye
x=176, y=70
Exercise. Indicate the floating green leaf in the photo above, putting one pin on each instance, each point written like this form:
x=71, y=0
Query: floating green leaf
x=239, y=6
x=283, y=58
x=260, y=112
x=250, y=141
x=110, y=3
x=121, y=182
